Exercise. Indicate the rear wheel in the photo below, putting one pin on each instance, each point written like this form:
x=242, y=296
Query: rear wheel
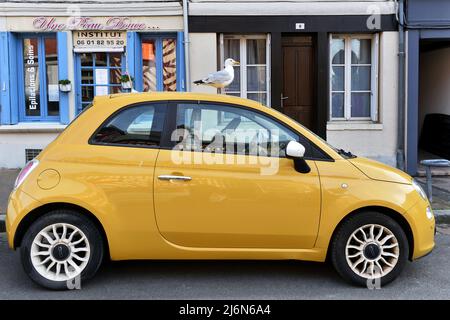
x=61, y=250
x=369, y=248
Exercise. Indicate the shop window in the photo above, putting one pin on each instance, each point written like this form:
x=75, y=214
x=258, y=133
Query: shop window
x=158, y=63
x=252, y=76
x=38, y=76
x=353, y=77
x=99, y=74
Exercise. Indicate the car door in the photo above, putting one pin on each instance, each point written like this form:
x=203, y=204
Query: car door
x=226, y=183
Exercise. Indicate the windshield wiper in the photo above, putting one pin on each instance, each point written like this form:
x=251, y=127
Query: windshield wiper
x=346, y=154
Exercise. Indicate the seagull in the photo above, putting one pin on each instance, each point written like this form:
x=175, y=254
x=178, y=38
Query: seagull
x=222, y=78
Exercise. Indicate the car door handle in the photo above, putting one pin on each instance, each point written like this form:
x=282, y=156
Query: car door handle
x=169, y=177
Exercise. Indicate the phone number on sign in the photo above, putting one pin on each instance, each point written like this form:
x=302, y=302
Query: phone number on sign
x=101, y=42
x=229, y=310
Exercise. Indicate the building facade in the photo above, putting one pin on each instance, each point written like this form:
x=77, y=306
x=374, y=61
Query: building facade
x=427, y=27
x=331, y=65
x=90, y=44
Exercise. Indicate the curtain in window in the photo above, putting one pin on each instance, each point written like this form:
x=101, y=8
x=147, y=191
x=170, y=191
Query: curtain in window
x=169, y=65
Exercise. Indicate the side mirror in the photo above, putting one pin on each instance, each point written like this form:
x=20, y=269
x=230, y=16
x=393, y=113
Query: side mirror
x=296, y=151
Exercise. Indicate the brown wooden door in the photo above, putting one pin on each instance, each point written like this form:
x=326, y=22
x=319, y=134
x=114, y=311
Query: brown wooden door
x=297, y=99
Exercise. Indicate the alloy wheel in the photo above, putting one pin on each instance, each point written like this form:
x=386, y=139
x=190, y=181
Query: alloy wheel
x=372, y=251
x=60, y=252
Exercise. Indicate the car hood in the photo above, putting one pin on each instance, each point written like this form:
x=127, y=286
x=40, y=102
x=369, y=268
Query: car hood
x=378, y=171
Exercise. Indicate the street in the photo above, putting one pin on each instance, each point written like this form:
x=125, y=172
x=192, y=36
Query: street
x=427, y=278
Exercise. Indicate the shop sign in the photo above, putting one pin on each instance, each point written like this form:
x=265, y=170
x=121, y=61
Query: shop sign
x=99, y=41
x=90, y=23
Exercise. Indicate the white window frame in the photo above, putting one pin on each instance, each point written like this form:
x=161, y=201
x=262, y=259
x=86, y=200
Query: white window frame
x=243, y=61
x=347, y=77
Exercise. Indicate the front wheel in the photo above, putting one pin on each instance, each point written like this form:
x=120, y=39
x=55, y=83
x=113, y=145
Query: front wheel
x=61, y=249
x=369, y=248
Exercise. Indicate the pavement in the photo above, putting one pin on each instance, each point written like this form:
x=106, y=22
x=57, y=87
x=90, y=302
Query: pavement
x=426, y=278
x=7, y=178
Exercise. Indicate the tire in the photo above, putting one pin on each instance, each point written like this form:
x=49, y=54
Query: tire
x=80, y=245
x=347, y=251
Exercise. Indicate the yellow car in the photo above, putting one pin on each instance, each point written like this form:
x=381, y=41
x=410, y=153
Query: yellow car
x=196, y=176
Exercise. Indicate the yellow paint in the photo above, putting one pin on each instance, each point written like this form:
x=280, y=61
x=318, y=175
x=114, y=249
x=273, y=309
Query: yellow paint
x=225, y=211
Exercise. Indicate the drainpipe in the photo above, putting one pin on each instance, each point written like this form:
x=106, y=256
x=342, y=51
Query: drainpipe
x=401, y=87
x=186, y=45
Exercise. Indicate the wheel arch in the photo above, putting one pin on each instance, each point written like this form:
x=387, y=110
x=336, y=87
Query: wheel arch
x=38, y=212
x=395, y=215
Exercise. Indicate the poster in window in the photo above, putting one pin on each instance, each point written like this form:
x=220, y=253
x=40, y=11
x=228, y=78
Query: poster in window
x=101, y=80
x=53, y=93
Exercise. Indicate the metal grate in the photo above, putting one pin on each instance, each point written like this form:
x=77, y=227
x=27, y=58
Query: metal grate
x=30, y=154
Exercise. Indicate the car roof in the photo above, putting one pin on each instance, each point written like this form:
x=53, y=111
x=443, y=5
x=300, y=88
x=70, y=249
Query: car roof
x=155, y=96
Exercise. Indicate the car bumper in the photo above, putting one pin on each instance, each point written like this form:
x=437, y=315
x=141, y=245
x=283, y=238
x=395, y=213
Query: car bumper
x=423, y=229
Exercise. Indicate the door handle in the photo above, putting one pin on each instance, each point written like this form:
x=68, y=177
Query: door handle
x=169, y=177
x=282, y=100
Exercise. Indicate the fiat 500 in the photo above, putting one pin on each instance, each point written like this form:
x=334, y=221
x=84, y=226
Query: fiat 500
x=196, y=176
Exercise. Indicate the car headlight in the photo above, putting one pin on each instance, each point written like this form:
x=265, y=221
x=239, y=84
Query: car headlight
x=429, y=213
x=419, y=189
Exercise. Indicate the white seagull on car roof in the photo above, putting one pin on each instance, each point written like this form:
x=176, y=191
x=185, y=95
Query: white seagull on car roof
x=222, y=78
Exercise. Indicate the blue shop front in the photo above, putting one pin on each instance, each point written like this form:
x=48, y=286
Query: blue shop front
x=51, y=68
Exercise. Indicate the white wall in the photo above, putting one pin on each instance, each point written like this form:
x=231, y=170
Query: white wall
x=13, y=145
x=203, y=55
x=375, y=140
x=290, y=7
x=434, y=89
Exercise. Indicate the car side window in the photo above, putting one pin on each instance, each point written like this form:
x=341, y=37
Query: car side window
x=140, y=125
x=227, y=129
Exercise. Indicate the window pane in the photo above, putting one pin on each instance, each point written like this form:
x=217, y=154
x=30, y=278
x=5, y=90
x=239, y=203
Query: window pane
x=149, y=65
x=256, y=78
x=360, y=78
x=236, y=84
x=169, y=65
x=232, y=49
x=361, y=51
x=114, y=76
x=337, y=105
x=256, y=51
x=87, y=76
x=51, y=61
x=86, y=59
x=361, y=104
x=116, y=89
x=337, y=51
x=337, y=79
x=140, y=125
x=100, y=59
x=260, y=97
x=115, y=59
x=31, y=77
x=87, y=94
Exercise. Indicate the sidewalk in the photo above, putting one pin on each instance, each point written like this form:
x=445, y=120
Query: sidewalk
x=7, y=178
